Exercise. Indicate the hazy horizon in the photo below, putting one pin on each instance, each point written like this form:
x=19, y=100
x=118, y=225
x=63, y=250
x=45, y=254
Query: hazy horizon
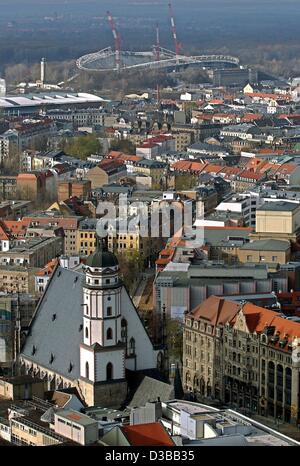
x=66, y=29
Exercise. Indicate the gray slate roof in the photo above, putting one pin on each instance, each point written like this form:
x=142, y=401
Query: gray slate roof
x=63, y=297
x=267, y=245
x=278, y=206
x=149, y=390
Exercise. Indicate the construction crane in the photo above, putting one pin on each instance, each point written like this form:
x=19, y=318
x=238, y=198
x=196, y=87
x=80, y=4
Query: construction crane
x=178, y=46
x=117, y=39
x=157, y=43
x=157, y=59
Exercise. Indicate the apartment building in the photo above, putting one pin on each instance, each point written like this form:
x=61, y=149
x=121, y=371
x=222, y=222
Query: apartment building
x=13, y=307
x=16, y=278
x=76, y=426
x=34, y=252
x=4, y=148
x=270, y=251
x=244, y=204
x=13, y=210
x=156, y=170
x=244, y=355
x=183, y=139
x=8, y=187
x=68, y=223
x=73, y=188
x=78, y=117
x=37, y=186
x=26, y=431
x=106, y=172
x=86, y=237
x=278, y=220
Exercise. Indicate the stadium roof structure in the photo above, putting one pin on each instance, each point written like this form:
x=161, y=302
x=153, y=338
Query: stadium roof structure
x=105, y=60
x=48, y=99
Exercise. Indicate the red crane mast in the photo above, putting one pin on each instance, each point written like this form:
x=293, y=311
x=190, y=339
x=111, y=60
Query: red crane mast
x=157, y=43
x=178, y=46
x=117, y=39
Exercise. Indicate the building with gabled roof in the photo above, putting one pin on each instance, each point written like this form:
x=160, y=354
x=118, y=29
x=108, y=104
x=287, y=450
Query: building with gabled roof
x=149, y=435
x=245, y=355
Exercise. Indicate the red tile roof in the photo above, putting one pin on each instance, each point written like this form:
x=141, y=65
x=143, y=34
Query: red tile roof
x=147, y=145
x=124, y=157
x=48, y=269
x=152, y=434
x=211, y=168
x=248, y=174
x=251, y=117
x=3, y=235
x=286, y=169
x=265, y=95
x=186, y=165
x=216, y=310
x=216, y=102
x=15, y=228
x=258, y=318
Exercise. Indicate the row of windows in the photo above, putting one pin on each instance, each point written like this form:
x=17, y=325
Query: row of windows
x=262, y=258
x=109, y=333
x=85, y=244
x=86, y=235
x=108, y=311
x=202, y=327
x=97, y=281
x=62, y=421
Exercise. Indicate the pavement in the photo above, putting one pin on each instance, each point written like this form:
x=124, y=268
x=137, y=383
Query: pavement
x=139, y=293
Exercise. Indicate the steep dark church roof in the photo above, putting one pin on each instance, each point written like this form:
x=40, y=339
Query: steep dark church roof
x=55, y=333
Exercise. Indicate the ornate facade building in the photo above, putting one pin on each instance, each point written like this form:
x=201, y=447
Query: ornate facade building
x=86, y=333
x=244, y=355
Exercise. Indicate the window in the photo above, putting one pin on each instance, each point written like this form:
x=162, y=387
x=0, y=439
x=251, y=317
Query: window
x=124, y=330
x=109, y=334
x=249, y=258
x=109, y=311
x=86, y=332
x=109, y=371
x=274, y=258
x=87, y=370
x=132, y=346
x=262, y=258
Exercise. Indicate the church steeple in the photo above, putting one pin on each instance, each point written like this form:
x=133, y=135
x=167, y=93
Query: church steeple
x=102, y=258
x=102, y=316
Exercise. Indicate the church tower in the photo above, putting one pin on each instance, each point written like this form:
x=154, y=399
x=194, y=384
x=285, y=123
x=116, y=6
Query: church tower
x=102, y=353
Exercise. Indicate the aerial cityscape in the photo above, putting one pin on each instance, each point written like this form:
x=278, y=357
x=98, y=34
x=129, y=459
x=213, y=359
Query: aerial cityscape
x=149, y=225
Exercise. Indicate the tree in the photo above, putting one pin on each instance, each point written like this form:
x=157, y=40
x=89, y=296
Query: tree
x=83, y=146
x=174, y=335
x=11, y=165
x=131, y=265
x=185, y=181
x=123, y=145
